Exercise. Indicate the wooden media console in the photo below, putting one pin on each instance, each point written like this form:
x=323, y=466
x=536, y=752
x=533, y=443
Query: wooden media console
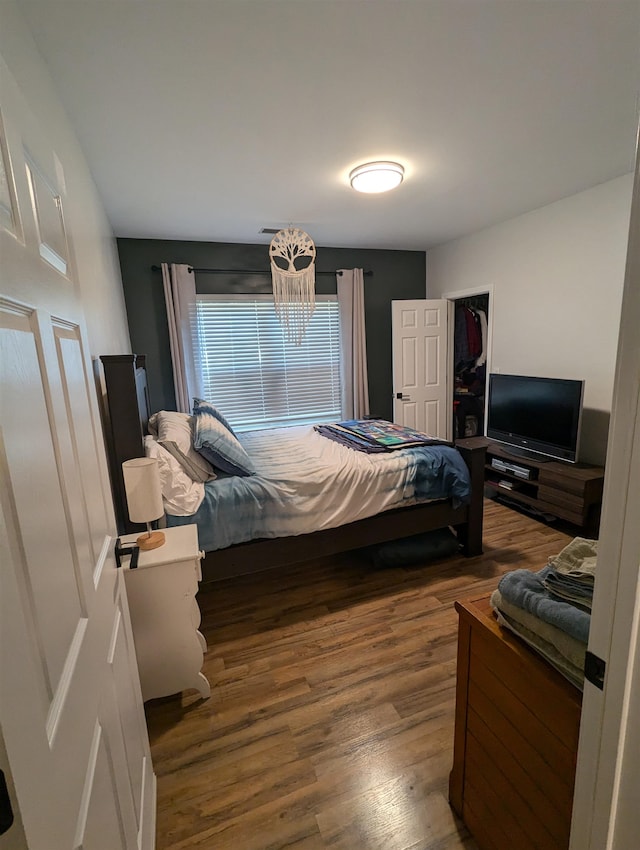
x=568, y=491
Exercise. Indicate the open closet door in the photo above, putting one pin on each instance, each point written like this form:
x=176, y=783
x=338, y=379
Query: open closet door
x=421, y=347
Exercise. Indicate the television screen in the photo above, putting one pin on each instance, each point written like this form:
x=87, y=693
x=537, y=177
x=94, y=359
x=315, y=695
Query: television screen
x=540, y=415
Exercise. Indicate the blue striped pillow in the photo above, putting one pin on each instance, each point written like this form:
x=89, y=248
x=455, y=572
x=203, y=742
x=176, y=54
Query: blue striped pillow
x=200, y=403
x=215, y=442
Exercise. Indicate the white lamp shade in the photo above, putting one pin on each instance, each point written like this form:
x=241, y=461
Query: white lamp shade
x=142, y=485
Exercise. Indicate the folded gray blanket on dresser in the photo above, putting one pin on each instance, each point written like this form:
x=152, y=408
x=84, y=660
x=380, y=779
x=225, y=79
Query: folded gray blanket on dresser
x=526, y=590
x=562, y=587
x=568, y=647
x=550, y=609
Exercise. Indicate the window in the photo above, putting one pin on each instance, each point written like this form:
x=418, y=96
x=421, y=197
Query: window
x=257, y=378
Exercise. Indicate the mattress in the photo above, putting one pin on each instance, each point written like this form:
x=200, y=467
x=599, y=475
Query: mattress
x=305, y=482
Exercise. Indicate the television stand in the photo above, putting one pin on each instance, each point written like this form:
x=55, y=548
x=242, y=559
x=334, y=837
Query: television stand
x=567, y=491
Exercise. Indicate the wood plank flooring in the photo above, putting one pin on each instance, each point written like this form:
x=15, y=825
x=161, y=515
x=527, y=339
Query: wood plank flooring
x=330, y=723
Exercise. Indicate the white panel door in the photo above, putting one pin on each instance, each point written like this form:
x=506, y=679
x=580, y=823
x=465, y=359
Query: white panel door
x=71, y=710
x=421, y=345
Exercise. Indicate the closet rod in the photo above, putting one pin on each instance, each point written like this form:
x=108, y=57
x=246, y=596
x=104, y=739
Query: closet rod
x=246, y=271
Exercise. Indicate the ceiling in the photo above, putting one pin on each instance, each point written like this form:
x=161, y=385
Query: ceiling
x=209, y=120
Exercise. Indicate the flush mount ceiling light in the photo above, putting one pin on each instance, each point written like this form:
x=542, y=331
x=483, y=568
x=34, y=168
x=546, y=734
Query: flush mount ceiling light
x=376, y=176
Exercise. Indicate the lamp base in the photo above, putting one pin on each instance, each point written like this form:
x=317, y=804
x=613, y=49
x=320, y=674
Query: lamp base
x=150, y=541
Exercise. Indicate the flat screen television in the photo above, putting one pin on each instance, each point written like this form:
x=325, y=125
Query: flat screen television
x=535, y=415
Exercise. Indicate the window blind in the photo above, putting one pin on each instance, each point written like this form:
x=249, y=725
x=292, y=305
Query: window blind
x=257, y=378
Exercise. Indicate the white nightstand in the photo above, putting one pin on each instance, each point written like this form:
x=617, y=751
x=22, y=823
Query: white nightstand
x=165, y=616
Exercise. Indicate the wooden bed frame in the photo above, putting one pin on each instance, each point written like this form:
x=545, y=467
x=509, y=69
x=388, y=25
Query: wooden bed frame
x=126, y=412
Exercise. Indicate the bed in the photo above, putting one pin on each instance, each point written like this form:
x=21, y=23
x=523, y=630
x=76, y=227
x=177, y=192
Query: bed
x=126, y=416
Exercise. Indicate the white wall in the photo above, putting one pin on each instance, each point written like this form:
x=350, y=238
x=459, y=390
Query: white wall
x=94, y=243
x=557, y=275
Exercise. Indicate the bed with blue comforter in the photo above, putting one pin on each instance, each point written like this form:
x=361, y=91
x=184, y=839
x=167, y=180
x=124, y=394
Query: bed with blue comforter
x=304, y=483
x=303, y=495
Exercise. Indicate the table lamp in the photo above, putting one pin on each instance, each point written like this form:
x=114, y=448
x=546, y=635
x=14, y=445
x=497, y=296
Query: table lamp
x=144, y=497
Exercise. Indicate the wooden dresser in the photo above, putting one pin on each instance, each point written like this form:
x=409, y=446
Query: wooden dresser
x=516, y=739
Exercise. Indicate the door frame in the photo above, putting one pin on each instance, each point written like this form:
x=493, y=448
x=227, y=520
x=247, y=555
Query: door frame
x=486, y=289
x=604, y=805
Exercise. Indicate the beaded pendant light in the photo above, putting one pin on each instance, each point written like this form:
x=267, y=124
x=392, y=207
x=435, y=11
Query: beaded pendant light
x=293, y=273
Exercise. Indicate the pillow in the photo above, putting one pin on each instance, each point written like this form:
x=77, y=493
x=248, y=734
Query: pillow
x=174, y=433
x=216, y=443
x=180, y=495
x=198, y=402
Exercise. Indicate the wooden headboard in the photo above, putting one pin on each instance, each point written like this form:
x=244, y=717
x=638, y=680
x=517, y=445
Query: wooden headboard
x=126, y=412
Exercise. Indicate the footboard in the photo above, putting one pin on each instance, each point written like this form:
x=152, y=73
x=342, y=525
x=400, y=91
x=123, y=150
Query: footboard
x=473, y=450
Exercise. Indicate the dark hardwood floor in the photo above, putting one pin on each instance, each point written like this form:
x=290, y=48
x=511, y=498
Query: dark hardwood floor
x=330, y=722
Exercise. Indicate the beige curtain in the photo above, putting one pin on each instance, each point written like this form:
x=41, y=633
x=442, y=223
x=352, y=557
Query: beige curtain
x=180, y=299
x=354, y=379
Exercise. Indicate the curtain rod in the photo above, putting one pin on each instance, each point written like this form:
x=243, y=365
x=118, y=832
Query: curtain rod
x=246, y=271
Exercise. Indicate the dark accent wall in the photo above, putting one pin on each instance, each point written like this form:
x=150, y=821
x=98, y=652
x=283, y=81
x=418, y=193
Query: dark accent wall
x=396, y=275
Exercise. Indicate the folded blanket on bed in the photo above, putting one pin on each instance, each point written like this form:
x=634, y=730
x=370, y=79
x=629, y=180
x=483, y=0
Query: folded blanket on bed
x=526, y=590
x=568, y=647
x=573, y=674
x=350, y=440
x=361, y=433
